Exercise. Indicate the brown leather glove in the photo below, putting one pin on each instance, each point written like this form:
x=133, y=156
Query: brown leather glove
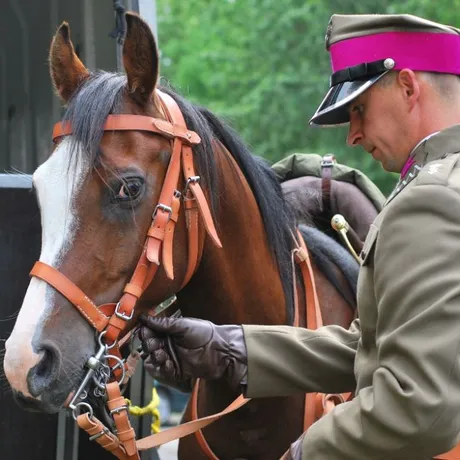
x=178, y=349
x=295, y=450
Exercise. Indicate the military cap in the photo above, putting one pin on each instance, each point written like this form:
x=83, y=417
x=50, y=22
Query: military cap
x=363, y=48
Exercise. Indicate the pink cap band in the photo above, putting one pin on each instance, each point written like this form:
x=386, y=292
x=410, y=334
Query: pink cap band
x=423, y=51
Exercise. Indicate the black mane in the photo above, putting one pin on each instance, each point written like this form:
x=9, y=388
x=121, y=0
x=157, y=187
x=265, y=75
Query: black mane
x=103, y=93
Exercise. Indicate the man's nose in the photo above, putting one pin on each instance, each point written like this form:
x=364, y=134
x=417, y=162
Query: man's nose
x=355, y=135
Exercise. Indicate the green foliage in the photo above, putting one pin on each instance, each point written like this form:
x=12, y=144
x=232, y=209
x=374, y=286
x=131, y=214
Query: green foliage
x=262, y=65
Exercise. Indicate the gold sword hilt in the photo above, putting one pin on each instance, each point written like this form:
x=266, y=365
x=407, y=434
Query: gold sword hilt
x=341, y=226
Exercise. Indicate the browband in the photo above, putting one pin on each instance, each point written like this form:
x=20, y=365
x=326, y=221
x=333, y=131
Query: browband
x=127, y=122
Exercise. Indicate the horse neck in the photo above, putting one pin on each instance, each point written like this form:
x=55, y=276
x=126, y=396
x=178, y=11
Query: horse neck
x=240, y=282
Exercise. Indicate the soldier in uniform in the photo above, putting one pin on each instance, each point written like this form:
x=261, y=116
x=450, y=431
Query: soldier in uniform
x=396, y=82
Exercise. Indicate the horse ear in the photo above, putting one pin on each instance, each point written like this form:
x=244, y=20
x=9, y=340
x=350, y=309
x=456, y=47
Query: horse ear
x=66, y=69
x=140, y=59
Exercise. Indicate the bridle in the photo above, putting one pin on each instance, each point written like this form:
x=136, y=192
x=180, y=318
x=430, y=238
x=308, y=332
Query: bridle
x=107, y=369
x=110, y=320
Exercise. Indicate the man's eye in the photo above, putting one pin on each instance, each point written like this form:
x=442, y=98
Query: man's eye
x=359, y=109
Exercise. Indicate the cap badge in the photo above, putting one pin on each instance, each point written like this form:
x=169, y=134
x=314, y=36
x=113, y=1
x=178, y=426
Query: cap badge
x=389, y=63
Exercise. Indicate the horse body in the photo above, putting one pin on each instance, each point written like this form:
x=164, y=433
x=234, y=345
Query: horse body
x=109, y=210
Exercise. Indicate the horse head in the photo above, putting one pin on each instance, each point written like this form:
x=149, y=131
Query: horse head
x=101, y=191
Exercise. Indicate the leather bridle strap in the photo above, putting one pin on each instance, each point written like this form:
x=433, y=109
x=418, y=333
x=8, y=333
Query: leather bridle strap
x=99, y=433
x=72, y=293
x=193, y=195
x=128, y=122
x=185, y=429
x=119, y=411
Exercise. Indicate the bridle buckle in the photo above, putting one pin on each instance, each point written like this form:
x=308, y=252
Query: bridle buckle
x=124, y=316
x=162, y=207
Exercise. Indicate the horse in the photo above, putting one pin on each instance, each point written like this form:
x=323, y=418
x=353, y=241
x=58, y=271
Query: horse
x=97, y=193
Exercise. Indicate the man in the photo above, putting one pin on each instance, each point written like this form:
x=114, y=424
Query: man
x=395, y=80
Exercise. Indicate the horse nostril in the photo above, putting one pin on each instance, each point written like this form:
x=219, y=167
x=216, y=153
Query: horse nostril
x=45, y=372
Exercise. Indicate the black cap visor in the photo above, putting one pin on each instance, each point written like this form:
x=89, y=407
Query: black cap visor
x=333, y=111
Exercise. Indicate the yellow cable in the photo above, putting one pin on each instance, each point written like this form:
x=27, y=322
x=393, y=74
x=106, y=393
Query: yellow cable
x=150, y=409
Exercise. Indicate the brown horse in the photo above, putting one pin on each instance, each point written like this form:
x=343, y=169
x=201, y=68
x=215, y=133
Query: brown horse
x=97, y=192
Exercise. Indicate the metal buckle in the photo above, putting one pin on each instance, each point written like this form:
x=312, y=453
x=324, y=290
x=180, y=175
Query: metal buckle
x=164, y=208
x=123, y=315
x=328, y=161
x=98, y=435
x=190, y=180
x=117, y=410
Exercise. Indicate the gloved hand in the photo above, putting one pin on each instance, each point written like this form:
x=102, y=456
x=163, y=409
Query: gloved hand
x=178, y=349
x=295, y=450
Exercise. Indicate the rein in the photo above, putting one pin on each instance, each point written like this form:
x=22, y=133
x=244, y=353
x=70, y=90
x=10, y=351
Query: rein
x=106, y=368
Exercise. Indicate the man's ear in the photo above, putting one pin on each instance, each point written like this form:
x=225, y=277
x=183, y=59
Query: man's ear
x=410, y=85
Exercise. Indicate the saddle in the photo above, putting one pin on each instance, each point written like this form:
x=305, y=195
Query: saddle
x=330, y=196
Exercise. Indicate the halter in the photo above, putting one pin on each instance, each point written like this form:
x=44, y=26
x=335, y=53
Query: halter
x=107, y=369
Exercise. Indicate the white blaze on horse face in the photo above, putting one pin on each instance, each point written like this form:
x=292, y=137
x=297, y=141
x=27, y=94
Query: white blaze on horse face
x=57, y=183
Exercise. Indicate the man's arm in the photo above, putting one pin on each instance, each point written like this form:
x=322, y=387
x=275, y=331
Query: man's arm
x=283, y=360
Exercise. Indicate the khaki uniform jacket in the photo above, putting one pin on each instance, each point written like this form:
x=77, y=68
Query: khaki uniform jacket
x=402, y=355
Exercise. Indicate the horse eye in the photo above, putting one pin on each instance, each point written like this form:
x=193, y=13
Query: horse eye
x=129, y=190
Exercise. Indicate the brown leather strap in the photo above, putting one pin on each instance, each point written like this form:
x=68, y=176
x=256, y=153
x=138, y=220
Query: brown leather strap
x=99, y=433
x=195, y=188
x=327, y=164
x=119, y=411
x=199, y=434
x=127, y=122
x=163, y=210
x=185, y=429
x=167, y=254
x=191, y=218
x=72, y=293
x=314, y=318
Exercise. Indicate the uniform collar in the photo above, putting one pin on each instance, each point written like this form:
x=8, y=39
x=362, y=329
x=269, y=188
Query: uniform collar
x=436, y=145
x=432, y=147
